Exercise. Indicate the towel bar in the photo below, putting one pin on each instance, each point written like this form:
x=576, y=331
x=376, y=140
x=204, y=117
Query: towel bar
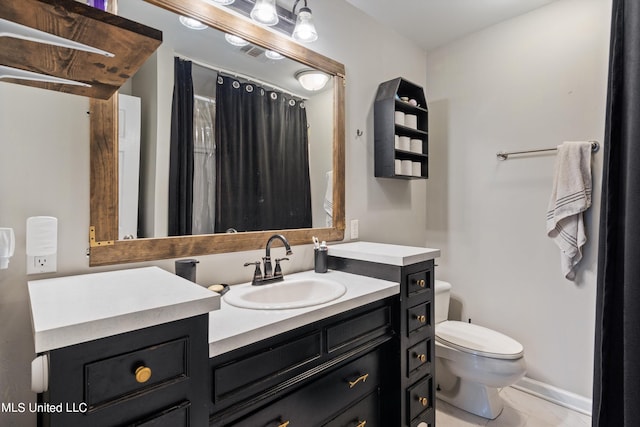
x=502, y=155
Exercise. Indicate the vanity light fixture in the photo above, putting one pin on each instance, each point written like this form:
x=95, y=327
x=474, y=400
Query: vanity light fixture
x=272, y=54
x=191, y=23
x=264, y=12
x=312, y=80
x=304, y=31
x=235, y=40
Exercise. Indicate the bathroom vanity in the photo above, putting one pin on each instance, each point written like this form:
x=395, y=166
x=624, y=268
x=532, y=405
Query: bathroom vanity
x=323, y=365
x=412, y=362
x=319, y=374
x=362, y=360
x=126, y=347
x=185, y=357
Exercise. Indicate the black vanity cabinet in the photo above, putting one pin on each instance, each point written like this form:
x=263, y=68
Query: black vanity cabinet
x=409, y=380
x=329, y=373
x=149, y=377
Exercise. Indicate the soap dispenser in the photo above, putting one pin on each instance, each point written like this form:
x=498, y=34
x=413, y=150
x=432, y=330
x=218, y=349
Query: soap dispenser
x=321, y=254
x=186, y=268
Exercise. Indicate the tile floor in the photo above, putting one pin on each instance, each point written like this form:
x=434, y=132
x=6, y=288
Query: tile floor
x=521, y=410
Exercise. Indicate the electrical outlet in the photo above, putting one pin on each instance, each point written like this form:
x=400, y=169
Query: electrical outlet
x=354, y=228
x=41, y=264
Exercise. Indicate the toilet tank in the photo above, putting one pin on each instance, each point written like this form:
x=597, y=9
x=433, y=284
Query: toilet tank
x=441, y=300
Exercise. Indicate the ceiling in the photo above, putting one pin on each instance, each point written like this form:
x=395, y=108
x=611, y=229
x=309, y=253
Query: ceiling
x=434, y=23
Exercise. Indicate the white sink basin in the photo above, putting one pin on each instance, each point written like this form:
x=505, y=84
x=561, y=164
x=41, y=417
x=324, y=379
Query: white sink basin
x=290, y=293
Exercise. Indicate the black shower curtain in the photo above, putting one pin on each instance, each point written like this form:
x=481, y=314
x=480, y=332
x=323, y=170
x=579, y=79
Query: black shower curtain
x=181, y=152
x=262, y=159
x=617, y=358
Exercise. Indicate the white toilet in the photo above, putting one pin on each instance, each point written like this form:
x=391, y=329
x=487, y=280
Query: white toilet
x=472, y=362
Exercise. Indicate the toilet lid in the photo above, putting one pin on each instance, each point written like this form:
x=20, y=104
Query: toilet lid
x=478, y=340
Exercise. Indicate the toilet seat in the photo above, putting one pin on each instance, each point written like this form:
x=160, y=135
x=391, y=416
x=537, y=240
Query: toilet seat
x=478, y=340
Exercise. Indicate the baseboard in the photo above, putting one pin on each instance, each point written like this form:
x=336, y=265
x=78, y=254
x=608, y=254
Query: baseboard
x=556, y=395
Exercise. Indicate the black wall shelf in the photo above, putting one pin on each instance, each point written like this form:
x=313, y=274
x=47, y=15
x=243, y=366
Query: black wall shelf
x=398, y=140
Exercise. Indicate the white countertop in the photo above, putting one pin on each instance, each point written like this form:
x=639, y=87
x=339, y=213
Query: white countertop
x=232, y=327
x=383, y=253
x=75, y=309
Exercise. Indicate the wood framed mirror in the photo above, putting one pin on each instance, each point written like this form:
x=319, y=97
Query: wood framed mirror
x=107, y=249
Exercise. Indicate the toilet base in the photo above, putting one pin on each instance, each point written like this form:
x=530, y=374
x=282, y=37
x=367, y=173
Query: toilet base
x=473, y=397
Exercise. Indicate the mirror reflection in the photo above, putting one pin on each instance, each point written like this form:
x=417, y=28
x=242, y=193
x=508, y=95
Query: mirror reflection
x=227, y=138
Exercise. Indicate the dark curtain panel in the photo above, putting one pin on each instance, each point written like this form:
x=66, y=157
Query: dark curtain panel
x=262, y=159
x=617, y=347
x=181, y=152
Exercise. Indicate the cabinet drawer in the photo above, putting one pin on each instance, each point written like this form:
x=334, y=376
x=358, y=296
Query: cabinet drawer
x=250, y=371
x=116, y=377
x=328, y=395
x=418, y=317
x=177, y=416
x=359, y=329
x=419, y=357
x=365, y=413
x=419, y=397
x=419, y=282
x=347, y=384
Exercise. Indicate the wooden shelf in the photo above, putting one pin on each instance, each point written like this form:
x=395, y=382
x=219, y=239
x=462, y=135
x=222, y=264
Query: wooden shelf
x=96, y=75
x=388, y=102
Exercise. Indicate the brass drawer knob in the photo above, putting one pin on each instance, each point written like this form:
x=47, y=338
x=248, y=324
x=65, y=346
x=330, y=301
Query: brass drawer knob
x=421, y=318
x=284, y=424
x=361, y=424
x=422, y=283
x=143, y=373
x=423, y=401
x=421, y=357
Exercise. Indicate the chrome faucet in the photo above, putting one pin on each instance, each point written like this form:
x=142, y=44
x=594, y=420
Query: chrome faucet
x=270, y=275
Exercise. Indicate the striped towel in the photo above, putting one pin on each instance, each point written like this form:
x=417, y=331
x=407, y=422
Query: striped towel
x=570, y=197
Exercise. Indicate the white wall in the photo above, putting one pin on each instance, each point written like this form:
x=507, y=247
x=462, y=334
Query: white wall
x=44, y=170
x=531, y=82
x=388, y=210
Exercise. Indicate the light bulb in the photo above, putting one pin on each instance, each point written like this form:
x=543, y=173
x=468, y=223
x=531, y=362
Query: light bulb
x=264, y=12
x=235, y=40
x=220, y=2
x=312, y=80
x=305, y=30
x=191, y=23
x=272, y=54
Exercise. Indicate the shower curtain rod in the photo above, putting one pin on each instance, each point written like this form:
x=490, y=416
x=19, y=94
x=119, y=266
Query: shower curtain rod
x=204, y=98
x=240, y=76
x=502, y=155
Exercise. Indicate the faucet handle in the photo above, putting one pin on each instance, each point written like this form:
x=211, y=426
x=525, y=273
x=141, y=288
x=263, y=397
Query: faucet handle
x=247, y=264
x=257, y=273
x=278, y=271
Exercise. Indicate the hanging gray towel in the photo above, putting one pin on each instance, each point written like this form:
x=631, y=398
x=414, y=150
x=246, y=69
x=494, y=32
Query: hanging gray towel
x=570, y=197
